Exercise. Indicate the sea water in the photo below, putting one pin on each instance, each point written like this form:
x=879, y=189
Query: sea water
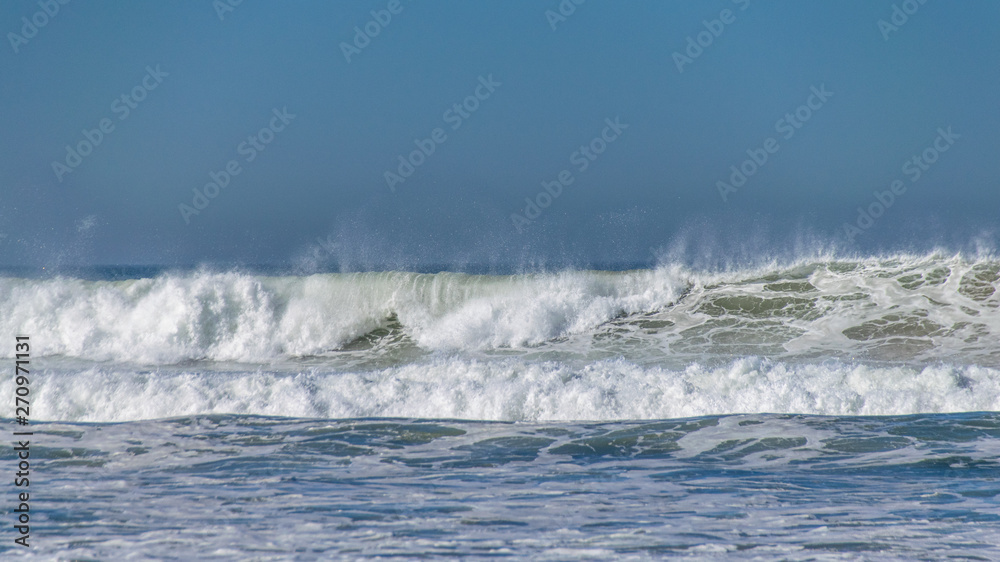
x=820, y=409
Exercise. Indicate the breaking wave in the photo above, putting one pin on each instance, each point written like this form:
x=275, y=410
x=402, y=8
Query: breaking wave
x=905, y=308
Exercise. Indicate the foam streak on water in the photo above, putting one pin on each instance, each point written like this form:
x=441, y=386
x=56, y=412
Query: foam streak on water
x=739, y=487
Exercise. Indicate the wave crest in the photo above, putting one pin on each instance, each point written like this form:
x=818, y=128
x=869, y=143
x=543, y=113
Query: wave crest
x=900, y=309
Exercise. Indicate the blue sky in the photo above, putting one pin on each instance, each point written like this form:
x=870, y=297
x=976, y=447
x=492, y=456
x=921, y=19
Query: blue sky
x=316, y=193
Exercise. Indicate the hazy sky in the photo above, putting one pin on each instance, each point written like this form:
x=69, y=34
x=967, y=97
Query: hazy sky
x=643, y=107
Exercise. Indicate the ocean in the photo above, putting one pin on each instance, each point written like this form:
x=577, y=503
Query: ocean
x=818, y=409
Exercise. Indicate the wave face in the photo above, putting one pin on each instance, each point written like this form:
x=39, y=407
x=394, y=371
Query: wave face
x=848, y=337
x=928, y=308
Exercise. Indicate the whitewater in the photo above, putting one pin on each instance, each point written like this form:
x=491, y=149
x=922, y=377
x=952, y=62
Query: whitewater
x=815, y=409
x=890, y=336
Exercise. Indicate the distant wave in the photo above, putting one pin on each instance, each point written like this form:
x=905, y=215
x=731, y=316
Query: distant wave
x=906, y=308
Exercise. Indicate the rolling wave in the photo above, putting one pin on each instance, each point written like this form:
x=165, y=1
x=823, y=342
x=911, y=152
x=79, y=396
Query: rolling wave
x=906, y=308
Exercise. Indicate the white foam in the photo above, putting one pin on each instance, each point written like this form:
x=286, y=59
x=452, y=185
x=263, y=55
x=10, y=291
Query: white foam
x=517, y=390
x=927, y=315
x=237, y=317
